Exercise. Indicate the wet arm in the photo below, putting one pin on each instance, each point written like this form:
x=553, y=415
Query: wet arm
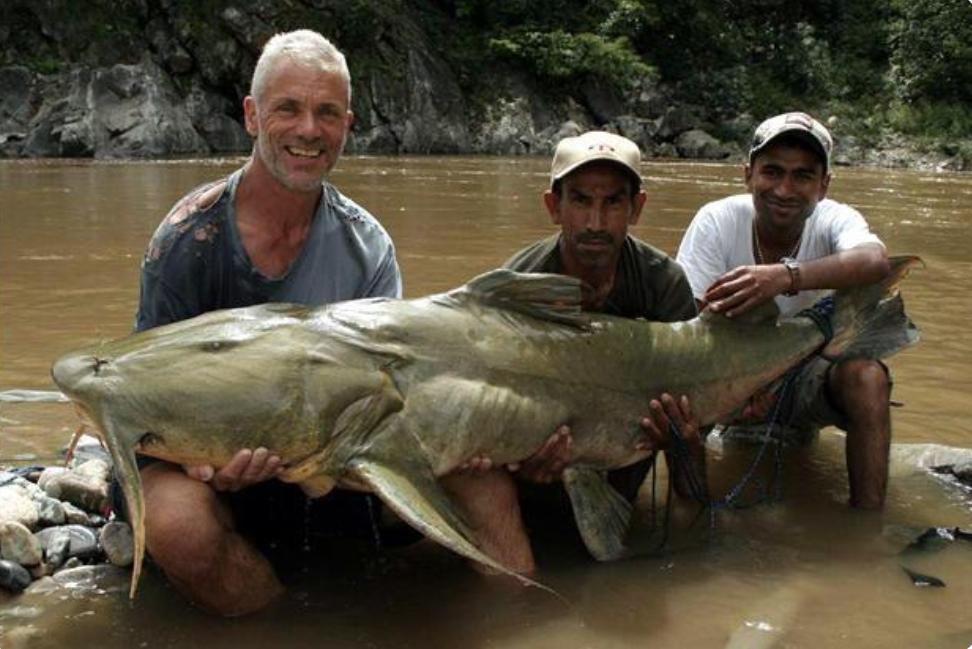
x=686, y=462
x=746, y=287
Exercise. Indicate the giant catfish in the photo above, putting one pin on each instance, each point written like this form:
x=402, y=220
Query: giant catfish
x=388, y=394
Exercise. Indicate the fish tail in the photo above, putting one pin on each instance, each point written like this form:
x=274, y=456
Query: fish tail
x=126, y=471
x=870, y=321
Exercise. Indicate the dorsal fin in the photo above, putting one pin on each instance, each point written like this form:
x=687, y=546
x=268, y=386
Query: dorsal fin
x=556, y=298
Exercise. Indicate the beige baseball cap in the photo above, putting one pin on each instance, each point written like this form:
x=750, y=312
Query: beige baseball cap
x=575, y=152
x=815, y=133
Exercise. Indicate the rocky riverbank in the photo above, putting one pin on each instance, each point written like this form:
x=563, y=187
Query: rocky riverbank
x=164, y=80
x=137, y=110
x=55, y=523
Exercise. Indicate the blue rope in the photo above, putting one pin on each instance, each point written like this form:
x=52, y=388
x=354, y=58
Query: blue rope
x=822, y=315
x=732, y=500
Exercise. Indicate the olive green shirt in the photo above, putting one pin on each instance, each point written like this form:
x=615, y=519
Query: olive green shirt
x=649, y=283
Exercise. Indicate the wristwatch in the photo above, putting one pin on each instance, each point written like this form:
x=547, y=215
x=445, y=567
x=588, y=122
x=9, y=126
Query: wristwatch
x=792, y=267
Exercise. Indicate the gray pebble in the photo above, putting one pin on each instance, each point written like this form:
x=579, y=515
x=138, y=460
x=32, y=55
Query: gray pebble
x=48, y=474
x=74, y=515
x=13, y=576
x=84, y=542
x=86, y=492
x=17, y=505
x=94, y=468
x=57, y=550
x=50, y=512
x=118, y=543
x=19, y=545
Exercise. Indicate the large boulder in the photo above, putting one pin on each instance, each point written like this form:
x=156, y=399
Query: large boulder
x=16, y=99
x=117, y=111
x=411, y=104
x=212, y=117
x=698, y=144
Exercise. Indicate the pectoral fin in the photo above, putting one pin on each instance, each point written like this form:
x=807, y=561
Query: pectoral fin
x=602, y=514
x=413, y=492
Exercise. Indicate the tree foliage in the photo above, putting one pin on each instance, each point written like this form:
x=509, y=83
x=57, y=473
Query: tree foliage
x=932, y=50
x=560, y=56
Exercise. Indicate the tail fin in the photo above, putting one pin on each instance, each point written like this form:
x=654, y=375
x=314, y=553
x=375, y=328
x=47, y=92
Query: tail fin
x=870, y=321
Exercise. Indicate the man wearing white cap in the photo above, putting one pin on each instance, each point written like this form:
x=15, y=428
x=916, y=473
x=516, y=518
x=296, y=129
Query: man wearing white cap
x=595, y=194
x=785, y=241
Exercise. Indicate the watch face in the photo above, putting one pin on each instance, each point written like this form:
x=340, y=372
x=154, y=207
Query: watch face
x=793, y=267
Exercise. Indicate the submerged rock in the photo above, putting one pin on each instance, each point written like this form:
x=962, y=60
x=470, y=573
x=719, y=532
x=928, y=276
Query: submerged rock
x=961, y=472
x=101, y=577
x=923, y=581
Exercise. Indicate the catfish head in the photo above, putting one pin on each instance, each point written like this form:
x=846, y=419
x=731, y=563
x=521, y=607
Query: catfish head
x=192, y=391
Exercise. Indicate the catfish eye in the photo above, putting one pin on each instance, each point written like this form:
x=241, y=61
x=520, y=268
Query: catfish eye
x=216, y=346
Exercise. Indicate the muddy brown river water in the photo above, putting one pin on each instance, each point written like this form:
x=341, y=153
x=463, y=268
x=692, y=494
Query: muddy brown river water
x=804, y=572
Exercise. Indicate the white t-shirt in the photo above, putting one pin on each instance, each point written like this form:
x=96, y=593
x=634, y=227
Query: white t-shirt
x=720, y=239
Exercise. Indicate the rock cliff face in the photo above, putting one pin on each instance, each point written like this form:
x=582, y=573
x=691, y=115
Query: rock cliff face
x=144, y=78
x=151, y=78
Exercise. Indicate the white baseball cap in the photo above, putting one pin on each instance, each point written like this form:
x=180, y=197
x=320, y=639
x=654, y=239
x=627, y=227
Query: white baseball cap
x=575, y=152
x=815, y=133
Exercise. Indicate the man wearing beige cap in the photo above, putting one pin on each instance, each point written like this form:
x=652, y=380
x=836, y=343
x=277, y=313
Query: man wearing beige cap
x=595, y=194
x=785, y=241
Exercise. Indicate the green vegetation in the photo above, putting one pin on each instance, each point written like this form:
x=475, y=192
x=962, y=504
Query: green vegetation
x=903, y=65
x=558, y=56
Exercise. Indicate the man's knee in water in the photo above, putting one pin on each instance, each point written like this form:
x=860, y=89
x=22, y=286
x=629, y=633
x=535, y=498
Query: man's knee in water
x=857, y=380
x=184, y=519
